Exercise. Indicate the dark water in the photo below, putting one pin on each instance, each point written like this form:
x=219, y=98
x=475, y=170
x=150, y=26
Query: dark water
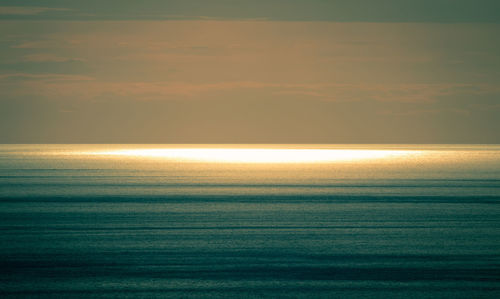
x=79, y=223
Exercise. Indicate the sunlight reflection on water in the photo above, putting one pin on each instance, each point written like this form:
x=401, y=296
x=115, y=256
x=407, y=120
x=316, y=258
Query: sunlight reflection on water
x=254, y=155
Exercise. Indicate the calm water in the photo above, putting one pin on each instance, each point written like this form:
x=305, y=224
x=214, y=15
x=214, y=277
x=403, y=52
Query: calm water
x=323, y=221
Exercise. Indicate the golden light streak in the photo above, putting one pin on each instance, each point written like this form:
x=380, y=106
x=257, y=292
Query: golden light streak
x=242, y=155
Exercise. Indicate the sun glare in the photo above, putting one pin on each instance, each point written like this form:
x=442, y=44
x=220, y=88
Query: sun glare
x=241, y=155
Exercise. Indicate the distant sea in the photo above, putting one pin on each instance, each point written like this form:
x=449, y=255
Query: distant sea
x=250, y=221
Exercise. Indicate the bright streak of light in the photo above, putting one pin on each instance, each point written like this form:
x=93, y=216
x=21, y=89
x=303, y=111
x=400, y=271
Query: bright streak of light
x=241, y=155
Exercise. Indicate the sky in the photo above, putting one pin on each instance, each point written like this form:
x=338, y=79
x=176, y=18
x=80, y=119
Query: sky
x=231, y=71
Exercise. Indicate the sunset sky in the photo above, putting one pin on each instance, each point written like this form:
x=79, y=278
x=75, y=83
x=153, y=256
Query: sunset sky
x=297, y=71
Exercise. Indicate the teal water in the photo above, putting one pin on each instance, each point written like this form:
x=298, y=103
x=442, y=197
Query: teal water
x=167, y=221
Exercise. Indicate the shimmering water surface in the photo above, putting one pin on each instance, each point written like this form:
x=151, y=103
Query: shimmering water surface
x=345, y=221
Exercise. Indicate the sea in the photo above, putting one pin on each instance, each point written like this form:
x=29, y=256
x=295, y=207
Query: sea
x=249, y=221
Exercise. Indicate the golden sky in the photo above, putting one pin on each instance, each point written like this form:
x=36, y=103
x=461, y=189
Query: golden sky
x=234, y=72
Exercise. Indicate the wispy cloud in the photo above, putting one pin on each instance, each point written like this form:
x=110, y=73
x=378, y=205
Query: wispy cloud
x=85, y=87
x=443, y=11
x=28, y=10
x=48, y=57
x=45, y=77
x=48, y=43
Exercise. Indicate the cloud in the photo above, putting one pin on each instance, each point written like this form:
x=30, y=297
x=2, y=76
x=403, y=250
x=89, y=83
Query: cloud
x=47, y=57
x=418, y=93
x=444, y=11
x=45, y=44
x=28, y=10
x=45, y=77
x=87, y=88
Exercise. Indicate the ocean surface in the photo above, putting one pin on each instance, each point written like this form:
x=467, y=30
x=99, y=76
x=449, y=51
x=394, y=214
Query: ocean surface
x=250, y=221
